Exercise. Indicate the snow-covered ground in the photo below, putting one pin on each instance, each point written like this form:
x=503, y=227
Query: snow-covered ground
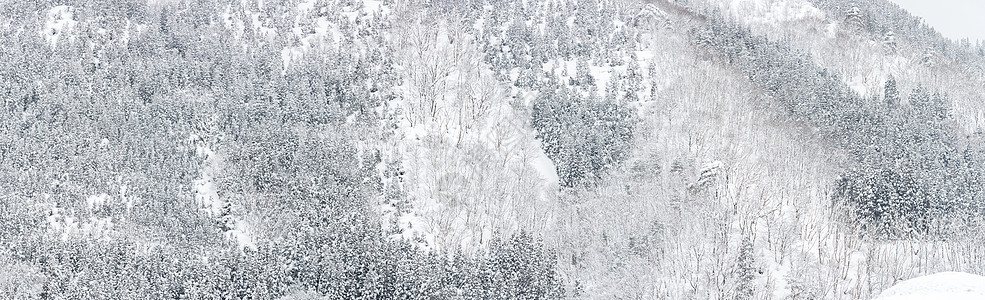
x=943, y=286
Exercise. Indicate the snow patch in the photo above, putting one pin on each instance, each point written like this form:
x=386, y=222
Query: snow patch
x=208, y=200
x=832, y=30
x=545, y=168
x=69, y=227
x=206, y=194
x=94, y=202
x=60, y=20
x=241, y=234
x=946, y=285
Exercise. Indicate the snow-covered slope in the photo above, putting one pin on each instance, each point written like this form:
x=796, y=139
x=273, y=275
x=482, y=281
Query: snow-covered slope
x=421, y=156
x=945, y=285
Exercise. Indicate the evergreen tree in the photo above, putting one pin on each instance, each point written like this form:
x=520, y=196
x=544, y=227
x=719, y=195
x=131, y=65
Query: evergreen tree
x=583, y=75
x=633, y=80
x=853, y=16
x=745, y=270
x=891, y=93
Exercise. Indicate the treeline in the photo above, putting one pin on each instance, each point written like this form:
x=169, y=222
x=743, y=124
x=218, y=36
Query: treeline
x=913, y=172
x=102, y=114
x=516, y=268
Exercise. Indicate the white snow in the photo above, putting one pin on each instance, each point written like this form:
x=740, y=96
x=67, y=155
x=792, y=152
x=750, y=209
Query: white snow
x=945, y=285
x=128, y=201
x=94, y=202
x=832, y=30
x=375, y=6
x=241, y=234
x=60, y=19
x=208, y=200
x=289, y=55
x=545, y=167
x=206, y=194
x=70, y=227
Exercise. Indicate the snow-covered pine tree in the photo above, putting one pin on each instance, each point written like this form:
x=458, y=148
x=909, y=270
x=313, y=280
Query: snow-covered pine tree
x=891, y=93
x=853, y=16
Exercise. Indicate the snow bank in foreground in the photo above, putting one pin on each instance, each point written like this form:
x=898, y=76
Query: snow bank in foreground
x=947, y=285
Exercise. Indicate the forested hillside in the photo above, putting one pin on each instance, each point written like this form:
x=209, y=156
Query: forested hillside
x=484, y=149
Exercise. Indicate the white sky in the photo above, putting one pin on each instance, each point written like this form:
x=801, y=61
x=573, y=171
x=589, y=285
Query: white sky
x=955, y=19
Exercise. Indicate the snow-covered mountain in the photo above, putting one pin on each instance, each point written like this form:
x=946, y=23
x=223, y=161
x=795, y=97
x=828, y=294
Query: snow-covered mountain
x=339, y=149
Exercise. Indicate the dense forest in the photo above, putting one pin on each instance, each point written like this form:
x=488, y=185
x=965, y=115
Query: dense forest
x=484, y=149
